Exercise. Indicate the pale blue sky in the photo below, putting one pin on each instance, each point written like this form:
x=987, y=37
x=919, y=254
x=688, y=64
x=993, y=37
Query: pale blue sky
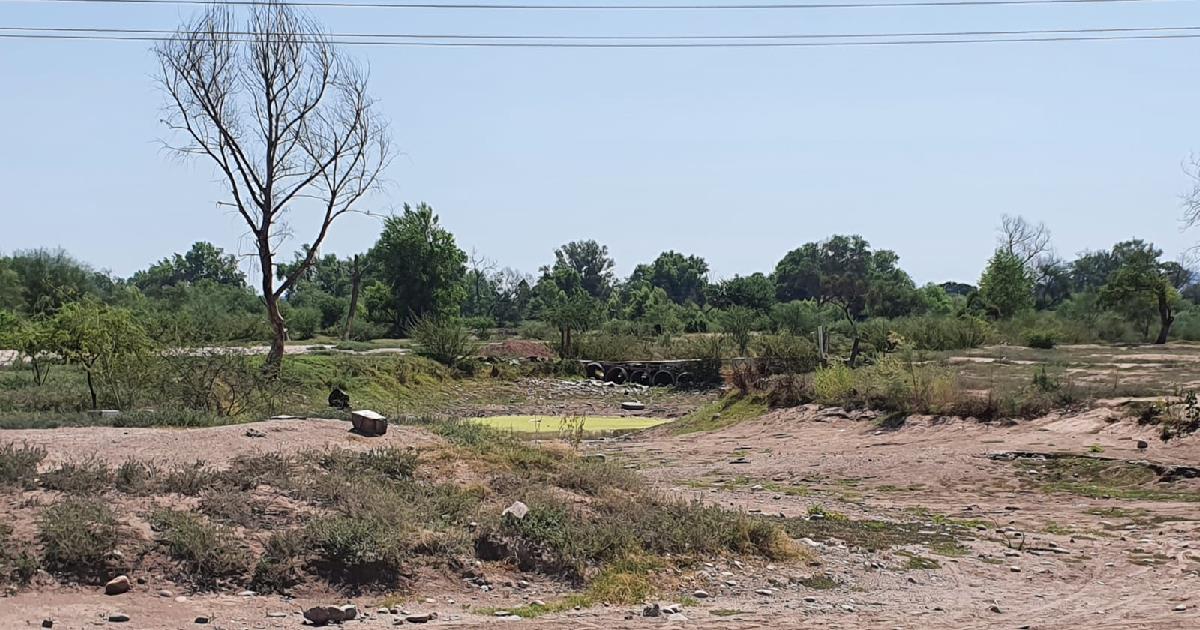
x=735, y=154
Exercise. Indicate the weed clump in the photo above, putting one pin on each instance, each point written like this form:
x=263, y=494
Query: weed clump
x=206, y=552
x=78, y=538
x=18, y=464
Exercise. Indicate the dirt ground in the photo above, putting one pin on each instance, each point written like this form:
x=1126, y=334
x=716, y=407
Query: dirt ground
x=1025, y=555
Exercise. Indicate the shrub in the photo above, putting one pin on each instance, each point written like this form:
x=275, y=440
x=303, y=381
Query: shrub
x=206, y=552
x=833, y=384
x=786, y=353
x=389, y=462
x=303, y=323
x=17, y=564
x=281, y=565
x=78, y=538
x=357, y=550
x=1042, y=339
x=594, y=477
x=88, y=477
x=18, y=464
x=444, y=340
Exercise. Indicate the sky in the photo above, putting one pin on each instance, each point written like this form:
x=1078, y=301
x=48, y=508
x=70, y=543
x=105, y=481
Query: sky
x=737, y=155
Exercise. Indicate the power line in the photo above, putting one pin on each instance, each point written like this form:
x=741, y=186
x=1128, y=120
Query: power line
x=166, y=34
x=705, y=44
x=345, y=4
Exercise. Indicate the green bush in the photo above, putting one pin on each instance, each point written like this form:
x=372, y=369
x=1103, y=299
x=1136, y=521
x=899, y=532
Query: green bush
x=78, y=537
x=18, y=564
x=786, y=353
x=281, y=565
x=302, y=323
x=18, y=464
x=444, y=340
x=206, y=552
x=358, y=550
x=88, y=477
x=1041, y=339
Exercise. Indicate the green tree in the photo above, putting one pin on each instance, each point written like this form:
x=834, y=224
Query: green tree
x=560, y=300
x=683, y=278
x=10, y=287
x=204, y=261
x=1141, y=287
x=51, y=278
x=98, y=338
x=591, y=264
x=843, y=271
x=1006, y=287
x=737, y=322
x=755, y=292
x=420, y=265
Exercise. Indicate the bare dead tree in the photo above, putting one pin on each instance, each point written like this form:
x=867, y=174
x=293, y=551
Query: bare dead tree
x=285, y=119
x=1191, y=200
x=1028, y=242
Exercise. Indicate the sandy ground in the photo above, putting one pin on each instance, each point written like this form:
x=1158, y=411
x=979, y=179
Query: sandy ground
x=1098, y=578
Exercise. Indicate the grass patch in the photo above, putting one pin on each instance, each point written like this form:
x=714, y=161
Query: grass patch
x=88, y=477
x=917, y=562
x=551, y=426
x=872, y=535
x=727, y=411
x=820, y=582
x=1098, y=478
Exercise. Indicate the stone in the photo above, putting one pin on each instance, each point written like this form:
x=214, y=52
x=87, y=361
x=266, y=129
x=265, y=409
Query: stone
x=1180, y=608
x=653, y=610
x=765, y=592
x=367, y=422
x=322, y=615
x=47, y=623
x=501, y=613
x=118, y=585
x=118, y=617
x=421, y=617
x=671, y=609
x=698, y=594
x=677, y=617
x=203, y=619
x=1015, y=569
x=740, y=460
x=1143, y=445
x=632, y=405
x=255, y=433
x=276, y=615
x=165, y=593
x=517, y=510
x=996, y=609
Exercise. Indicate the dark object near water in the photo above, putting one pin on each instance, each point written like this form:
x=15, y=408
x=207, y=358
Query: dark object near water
x=339, y=399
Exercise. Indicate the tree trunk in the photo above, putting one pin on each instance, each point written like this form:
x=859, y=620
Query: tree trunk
x=355, y=286
x=1166, y=318
x=92, y=389
x=856, y=346
x=274, y=317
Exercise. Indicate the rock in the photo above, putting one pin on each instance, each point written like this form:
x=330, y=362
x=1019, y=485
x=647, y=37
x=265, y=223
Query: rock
x=367, y=422
x=765, y=592
x=47, y=623
x=996, y=609
x=1143, y=445
x=321, y=615
x=677, y=617
x=631, y=405
x=740, y=460
x=255, y=433
x=381, y=611
x=517, y=510
x=700, y=594
x=203, y=619
x=501, y=613
x=118, y=618
x=276, y=615
x=653, y=610
x=118, y=585
x=247, y=594
x=181, y=599
x=1180, y=608
x=165, y=593
x=421, y=618
x=1015, y=569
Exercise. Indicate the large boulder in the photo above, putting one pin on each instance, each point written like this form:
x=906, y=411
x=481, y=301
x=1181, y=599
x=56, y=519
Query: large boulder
x=367, y=422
